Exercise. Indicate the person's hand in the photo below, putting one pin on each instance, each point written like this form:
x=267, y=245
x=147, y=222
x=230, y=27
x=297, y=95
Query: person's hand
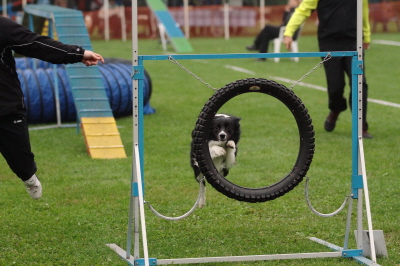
x=365, y=46
x=90, y=58
x=287, y=41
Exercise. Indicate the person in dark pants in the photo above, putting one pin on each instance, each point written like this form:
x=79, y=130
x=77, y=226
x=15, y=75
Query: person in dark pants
x=270, y=32
x=337, y=31
x=14, y=136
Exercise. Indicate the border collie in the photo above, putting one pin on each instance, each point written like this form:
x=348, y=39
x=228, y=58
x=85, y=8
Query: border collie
x=222, y=142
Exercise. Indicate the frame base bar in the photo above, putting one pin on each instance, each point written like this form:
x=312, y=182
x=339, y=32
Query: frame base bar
x=360, y=259
x=339, y=253
x=250, y=258
x=131, y=260
x=122, y=254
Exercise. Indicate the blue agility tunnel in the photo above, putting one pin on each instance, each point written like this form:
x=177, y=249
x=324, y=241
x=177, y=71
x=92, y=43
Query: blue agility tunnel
x=37, y=83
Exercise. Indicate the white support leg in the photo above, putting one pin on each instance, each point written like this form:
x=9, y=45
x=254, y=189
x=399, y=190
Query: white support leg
x=141, y=205
x=367, y=203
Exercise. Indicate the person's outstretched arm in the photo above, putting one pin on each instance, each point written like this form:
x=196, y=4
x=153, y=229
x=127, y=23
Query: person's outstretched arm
x=28, y=43
x=302, y=12
x=90, y=58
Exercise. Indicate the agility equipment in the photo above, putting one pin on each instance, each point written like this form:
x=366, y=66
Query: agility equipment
x=204, y=123
x=37, y=83
x=87, y=86
x=169, y=27
x=136, y=218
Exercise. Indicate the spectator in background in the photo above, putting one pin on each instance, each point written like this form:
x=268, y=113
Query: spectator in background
x=61, y=3
x=337, y=31
x=270, y=32
x=173, y=3
x=89, y=5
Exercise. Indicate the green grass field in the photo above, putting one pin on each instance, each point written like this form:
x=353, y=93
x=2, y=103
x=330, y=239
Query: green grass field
x=85, y=201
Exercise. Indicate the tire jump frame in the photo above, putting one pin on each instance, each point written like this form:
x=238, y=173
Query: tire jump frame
x=136, y=219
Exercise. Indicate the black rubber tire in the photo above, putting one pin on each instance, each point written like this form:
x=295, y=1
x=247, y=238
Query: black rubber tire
x=306, y=132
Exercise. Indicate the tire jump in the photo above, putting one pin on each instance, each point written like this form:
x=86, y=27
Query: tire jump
x=306, y=137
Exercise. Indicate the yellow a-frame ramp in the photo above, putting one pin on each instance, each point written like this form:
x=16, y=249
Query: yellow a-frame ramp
x=102, y=137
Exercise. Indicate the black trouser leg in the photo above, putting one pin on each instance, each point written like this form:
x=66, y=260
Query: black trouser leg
x=15, y=146
x=336, y=69
x=268, y=34
x=335, y=78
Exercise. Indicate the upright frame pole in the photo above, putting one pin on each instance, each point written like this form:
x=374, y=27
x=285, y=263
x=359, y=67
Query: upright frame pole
x=106, y=13
x=186, y=18
x=123, y=21
x=51, y=23
x=226, y=19
x=136, y=197
x=262, y=14
x=357, y=138
x=4, y=5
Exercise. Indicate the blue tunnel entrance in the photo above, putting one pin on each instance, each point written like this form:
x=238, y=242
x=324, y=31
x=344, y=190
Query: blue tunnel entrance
x=37, y=83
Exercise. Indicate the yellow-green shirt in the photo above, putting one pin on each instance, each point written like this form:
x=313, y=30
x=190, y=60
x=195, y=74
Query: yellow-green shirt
x=304, y=10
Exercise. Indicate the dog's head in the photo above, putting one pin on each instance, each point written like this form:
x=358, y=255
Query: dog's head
x=225, y=127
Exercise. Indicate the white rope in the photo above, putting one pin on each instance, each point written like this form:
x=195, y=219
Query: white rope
x=315, y=211
x=201, y=191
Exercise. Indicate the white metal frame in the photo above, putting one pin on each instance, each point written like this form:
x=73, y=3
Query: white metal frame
x=136, y=219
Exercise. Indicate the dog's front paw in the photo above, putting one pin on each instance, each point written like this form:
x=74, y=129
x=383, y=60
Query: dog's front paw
x=216, y=151
x=231, y=144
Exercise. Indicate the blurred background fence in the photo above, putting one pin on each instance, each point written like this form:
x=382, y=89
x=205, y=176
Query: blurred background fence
x=206, y=17
x=244, y=20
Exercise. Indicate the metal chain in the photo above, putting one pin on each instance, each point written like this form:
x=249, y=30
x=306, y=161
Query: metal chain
x=172, y=60
x=327, y=57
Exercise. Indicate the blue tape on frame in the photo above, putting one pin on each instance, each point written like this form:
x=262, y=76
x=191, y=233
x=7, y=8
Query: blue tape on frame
x=352, y=253
x=357, y=182
x=357, y=67
x=142, y=261
x=138, y=72
x=135, y=189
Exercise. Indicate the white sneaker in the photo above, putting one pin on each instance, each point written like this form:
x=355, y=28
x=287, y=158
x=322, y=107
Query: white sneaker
x=34, y=187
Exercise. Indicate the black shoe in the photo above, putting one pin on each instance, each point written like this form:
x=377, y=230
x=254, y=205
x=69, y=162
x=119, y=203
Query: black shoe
x=366, y=135
x=251, y=47
x=330, y=121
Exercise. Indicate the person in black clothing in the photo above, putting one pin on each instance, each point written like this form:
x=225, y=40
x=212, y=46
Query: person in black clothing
x=337, y=31
x=14, y=136
x=270, y=32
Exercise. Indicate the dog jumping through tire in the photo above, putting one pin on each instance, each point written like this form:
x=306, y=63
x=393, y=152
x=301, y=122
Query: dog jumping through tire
x=223, y=140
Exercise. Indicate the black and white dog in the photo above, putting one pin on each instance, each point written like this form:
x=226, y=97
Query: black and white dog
x=222, y=142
